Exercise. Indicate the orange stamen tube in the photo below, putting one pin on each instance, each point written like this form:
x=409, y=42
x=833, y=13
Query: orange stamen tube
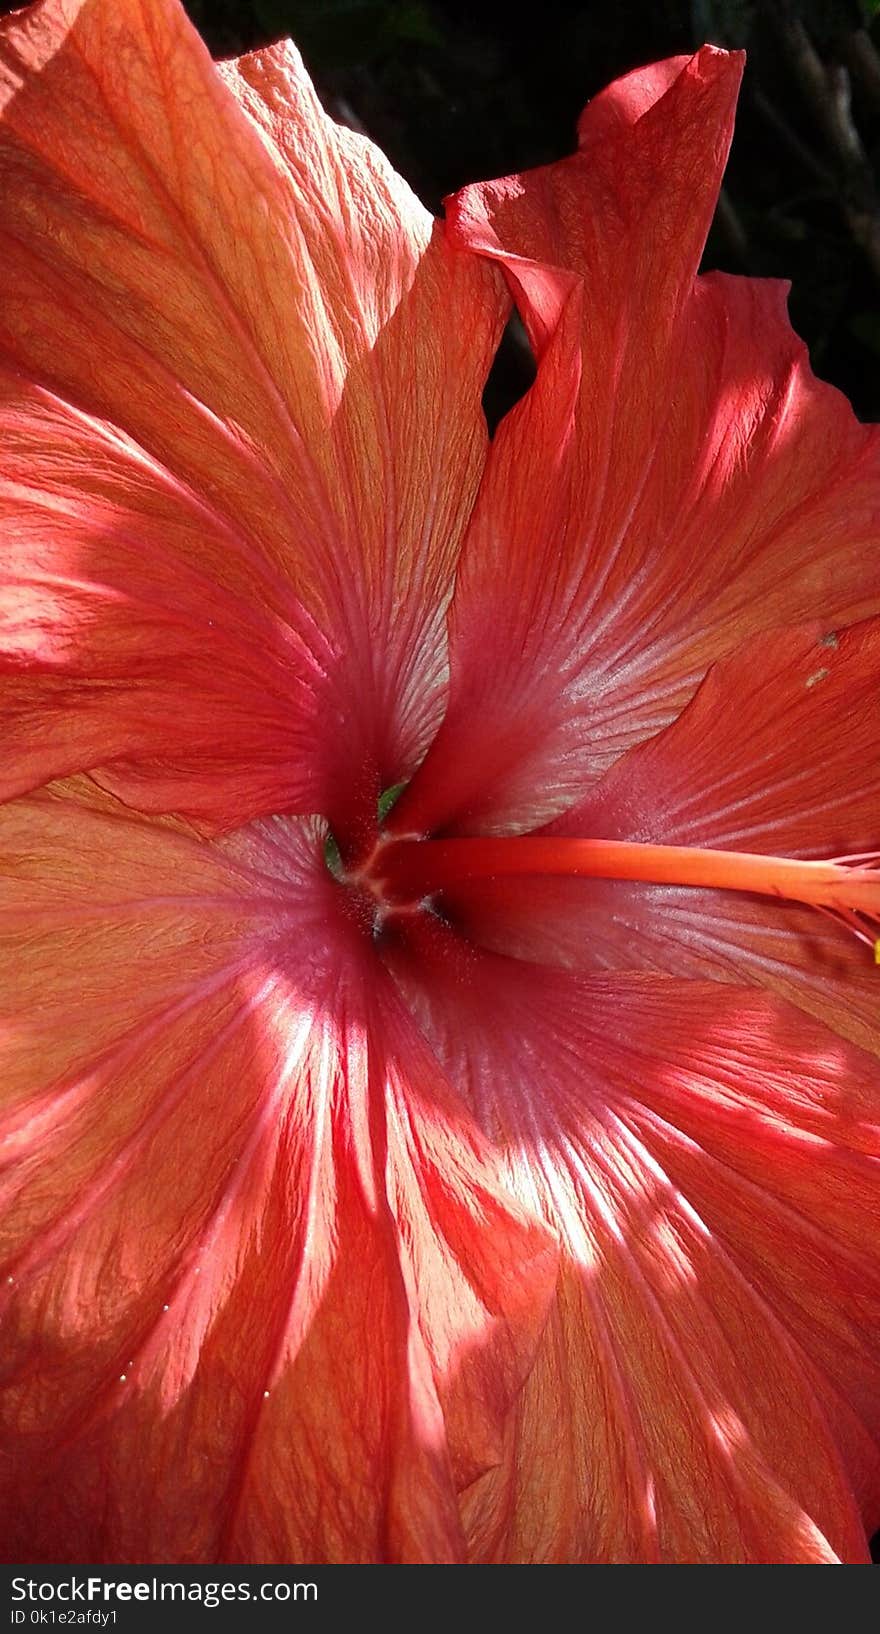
x=414, y=869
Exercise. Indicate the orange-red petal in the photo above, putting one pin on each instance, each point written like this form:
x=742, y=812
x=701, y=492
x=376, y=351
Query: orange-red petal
x=706, y=1389
x=778, y=752
x=239, y=361
x=265, y=1296
x=675, y=480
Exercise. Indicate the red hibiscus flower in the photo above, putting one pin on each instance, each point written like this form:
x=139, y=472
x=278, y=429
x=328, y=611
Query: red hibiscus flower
x=491, y=1175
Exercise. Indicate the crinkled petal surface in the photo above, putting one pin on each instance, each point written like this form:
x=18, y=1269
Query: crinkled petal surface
x=707, y=1387
x=675, y=480
x=265, y=1295
x=240, y=376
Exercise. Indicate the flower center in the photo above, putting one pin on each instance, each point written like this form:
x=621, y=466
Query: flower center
x=362, y=878
x=404, y=874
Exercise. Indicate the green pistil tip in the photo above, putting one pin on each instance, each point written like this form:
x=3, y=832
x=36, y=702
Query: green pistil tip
x=387, y=800
x=332, y=855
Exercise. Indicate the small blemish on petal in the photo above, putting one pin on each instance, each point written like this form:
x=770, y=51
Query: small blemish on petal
x=817, y=675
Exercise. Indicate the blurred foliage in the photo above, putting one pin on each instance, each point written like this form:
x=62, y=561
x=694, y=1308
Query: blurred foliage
x=454, y=93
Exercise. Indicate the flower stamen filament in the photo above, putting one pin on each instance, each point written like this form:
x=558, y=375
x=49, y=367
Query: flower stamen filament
x=848, y=888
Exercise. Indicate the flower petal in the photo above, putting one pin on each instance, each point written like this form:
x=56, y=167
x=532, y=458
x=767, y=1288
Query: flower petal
x=237, y=317
x=707, y=1387
x=675, y=480
x=778, y=752
x=265, y=1296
